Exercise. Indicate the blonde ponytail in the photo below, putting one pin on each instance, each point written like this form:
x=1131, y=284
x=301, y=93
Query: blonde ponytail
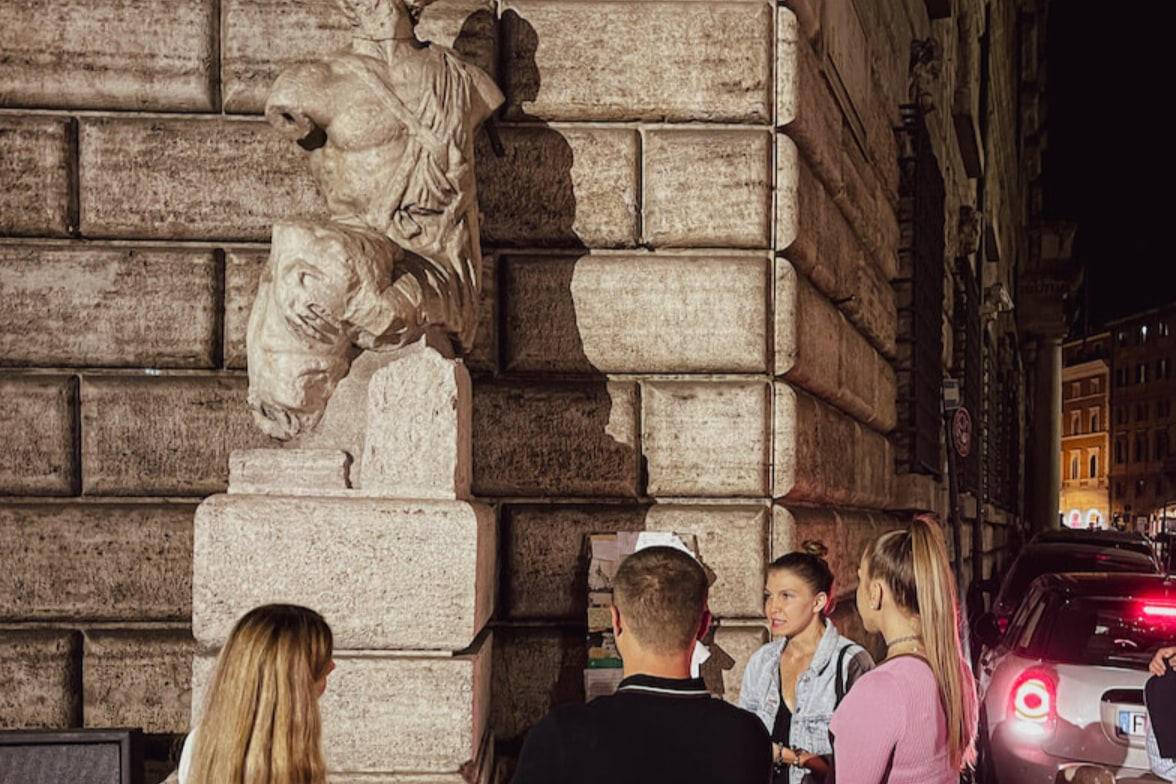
x=913, y=562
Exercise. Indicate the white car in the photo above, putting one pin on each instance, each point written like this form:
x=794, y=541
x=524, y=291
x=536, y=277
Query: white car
x=1063, y=686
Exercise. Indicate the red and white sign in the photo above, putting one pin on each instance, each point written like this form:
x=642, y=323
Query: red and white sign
x=961, y=432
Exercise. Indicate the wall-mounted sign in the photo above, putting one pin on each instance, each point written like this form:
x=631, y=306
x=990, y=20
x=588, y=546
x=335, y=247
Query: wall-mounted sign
x=961, y=432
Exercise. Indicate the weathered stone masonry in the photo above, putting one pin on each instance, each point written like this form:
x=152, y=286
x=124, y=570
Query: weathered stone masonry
x=690, y=319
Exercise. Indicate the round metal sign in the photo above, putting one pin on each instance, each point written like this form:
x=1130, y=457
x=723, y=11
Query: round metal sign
x=961, y=432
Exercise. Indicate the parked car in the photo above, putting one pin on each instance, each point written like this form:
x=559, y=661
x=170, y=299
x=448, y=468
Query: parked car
x=1044, y=557
x=1123, y=540
x=1166, y=545
x=1063, y=685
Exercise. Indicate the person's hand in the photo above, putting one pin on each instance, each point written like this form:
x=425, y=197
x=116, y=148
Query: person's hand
x=1162, y=660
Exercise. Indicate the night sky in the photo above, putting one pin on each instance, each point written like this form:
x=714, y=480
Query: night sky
x=1108, y=163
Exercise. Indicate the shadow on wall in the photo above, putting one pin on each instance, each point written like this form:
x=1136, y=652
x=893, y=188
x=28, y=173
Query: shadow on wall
x=554, y=438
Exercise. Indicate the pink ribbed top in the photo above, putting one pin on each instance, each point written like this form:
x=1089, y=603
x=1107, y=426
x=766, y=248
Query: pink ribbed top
x=893, y=708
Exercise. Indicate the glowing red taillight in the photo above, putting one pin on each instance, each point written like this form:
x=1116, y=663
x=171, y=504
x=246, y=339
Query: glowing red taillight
x=1033, y=702
x=1160, y=610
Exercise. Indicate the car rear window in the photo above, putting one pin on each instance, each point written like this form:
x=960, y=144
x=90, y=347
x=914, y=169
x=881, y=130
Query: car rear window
x=1106, y=631
x=1031, y=566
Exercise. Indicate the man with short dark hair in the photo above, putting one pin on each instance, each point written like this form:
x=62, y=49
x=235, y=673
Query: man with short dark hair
x=661, y=724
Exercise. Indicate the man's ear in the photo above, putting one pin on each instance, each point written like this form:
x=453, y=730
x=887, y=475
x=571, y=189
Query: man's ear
x=704, y=624
x=616, y=619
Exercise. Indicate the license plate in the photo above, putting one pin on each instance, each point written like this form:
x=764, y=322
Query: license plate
x=1132, y=723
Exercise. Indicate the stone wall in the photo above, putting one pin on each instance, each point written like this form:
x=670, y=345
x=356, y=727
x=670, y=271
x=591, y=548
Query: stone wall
x=688, y=322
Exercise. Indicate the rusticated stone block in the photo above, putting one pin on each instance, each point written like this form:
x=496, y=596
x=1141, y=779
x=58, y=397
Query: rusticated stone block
x=575, y=439
x=822, y=246
x=825, y=456
x=163, y=435
x=396, y=713
x=153, y=54
x=732, y=542
x=707, y=188
x=191, y=179
x=535, y=669
x=805, y=107
x=738, y=642
x=369, y=565
x=625, y=314
x=107, y=307
x=545, y=560
x=42, y=676
x=35, y=171
x=483, y=357
x=592, y=61
x=560, y=186
x=138, y=678
x=707, y=438
x=263, y=37
x=243, y=267
x=821, y=351
x=93, y=561
x=38, y=427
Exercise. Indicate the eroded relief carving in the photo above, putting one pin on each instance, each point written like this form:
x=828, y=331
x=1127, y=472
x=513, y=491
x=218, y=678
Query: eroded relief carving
x=389, y=125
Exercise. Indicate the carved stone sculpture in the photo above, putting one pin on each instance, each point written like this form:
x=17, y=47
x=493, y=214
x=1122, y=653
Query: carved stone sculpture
x=389, y=125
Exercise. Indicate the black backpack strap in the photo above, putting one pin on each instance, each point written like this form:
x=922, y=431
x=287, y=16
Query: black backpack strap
x=839, y=684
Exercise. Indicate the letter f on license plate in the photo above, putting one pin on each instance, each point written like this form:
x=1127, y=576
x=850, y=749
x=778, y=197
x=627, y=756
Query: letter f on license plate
x=1132, y=723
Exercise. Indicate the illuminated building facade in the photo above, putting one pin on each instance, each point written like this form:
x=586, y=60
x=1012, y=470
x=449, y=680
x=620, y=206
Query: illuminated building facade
x=1084, y=500
x=1143, y=425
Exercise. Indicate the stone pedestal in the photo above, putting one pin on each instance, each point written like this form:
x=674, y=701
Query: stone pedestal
x=392, y=553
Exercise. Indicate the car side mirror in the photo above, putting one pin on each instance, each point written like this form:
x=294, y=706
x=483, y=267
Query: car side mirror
x=986, y=629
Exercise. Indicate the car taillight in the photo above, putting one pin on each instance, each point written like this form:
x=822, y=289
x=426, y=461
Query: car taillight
x=1159, y=610
x=1033, y=703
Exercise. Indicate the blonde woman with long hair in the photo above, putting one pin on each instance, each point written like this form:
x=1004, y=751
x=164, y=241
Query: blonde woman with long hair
x=911, y=720
x=260, y=723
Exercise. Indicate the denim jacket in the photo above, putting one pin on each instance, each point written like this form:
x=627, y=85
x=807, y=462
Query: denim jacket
x=816, y=691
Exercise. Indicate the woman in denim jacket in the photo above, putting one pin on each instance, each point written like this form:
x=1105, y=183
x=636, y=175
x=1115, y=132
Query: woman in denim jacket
x=794, y=682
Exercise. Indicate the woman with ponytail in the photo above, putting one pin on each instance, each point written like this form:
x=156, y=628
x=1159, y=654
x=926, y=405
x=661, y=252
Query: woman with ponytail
x=260, y=723
x=794, y=682
x=913, y=719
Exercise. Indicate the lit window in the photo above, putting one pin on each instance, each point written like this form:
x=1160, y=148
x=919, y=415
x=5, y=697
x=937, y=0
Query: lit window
x=1162, y=329
x=1143, y=333
x=1121, y=337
